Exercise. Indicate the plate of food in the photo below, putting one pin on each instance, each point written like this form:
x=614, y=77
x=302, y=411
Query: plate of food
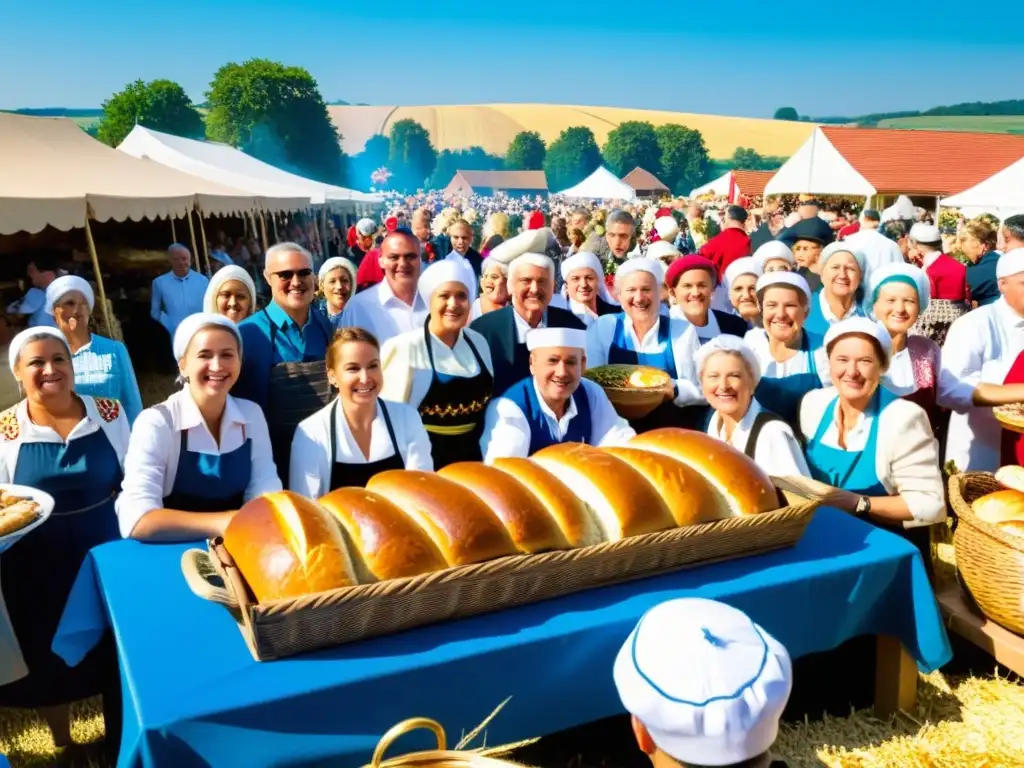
x=634, y=390
x=22, y=510
x=1010, y=416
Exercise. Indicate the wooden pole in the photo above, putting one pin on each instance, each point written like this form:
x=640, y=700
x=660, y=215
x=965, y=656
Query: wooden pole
x=263, y=231
x=206, y=248
x=324, y=247
x=99, y=278
x=192, y=234
x=273, y=220
x=174, y=236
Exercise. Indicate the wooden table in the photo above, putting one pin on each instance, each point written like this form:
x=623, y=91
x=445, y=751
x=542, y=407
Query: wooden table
x=1002, y=644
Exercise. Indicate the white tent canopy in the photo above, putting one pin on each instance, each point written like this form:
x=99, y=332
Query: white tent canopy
x=719, y=186
x=602, y=184
x=1001, y=194
x=220, y=162
x=818, y=168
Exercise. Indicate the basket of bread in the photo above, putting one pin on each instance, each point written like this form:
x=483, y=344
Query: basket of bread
x=634, y=390
x=22, y=510
x=442, y=757
x=989, y=541
x=415, y=548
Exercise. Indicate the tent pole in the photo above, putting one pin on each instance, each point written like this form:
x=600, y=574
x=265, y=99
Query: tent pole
x=192, y=233
x=99, y=277
x=174, y=236
x=273, y=220
x=206, y=248
x=323, y=234
x=263, y=231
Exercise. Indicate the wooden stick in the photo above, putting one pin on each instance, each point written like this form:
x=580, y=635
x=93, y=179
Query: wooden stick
x=174, y=236
x=99, y=277
x=895, y=678
x=192, y=233
x=273, y=220
x=206, y=248
x=263, y=231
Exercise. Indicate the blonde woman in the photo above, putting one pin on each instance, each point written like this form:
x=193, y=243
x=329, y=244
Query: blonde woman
x=493, y=288
x=978, y=243
x=495, y=232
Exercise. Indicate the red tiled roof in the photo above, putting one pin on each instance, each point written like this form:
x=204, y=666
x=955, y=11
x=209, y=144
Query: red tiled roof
x=639, y=179
x=752, y=183
x=924, y=162
x=506, y=179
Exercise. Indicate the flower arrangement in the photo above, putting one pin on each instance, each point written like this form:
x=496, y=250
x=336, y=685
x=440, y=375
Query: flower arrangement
x=989, y=218
x=380, y=177
x=470, y=215
x=949, y=220
x=443, y=220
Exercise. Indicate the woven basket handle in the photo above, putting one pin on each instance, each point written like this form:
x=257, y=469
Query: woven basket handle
x=403, y=728
x=199, y=573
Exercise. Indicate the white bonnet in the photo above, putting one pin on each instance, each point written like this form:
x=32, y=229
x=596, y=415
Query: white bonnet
x=64, y=285
x=23, y=338
x=774, y=249
x=727, y=343
x=641, y=264
x=333, y=263
x=860, y=325
x=748, y=265
x=192, y=324
x=222, y=276
x=441, y=272
x=791, y=279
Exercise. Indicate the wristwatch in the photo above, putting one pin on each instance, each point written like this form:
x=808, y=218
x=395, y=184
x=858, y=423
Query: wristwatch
x=863, y=506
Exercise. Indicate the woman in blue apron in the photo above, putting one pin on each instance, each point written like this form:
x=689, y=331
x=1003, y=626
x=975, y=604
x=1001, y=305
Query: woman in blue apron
x=358, y=434
x=72, y=447
x=642, y=335
x=875, y=448
x=842, y=291
x=443, y=370
x=201, y=454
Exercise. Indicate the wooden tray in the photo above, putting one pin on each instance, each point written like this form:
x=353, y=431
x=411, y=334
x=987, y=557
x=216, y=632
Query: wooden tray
x=284, y=628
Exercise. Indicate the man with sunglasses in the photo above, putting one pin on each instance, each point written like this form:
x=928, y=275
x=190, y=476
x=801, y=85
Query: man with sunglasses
x=393, y=306
x=283, y=350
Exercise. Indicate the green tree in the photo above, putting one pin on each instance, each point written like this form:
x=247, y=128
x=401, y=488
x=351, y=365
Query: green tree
x=526, y=152
x=472, y=159
x=160, y=104
x=374, y=155
x=276, y=113
x=747, y=159
x=572, y=157
x=786, y=113
x=634, y=144
x=684, y=158
x=412, y=158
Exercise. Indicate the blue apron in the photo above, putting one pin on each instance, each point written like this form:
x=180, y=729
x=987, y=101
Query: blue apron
x=524, y=395
x=83, y=476
x=816, y=322
x=783, y=395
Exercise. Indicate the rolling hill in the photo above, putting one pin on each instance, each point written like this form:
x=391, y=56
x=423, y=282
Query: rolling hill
x=980, y=123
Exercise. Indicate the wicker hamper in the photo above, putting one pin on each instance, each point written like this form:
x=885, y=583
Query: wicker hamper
x=442, y=757
x=990, y=562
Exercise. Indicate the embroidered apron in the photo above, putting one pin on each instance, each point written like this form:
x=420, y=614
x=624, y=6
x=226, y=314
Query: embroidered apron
x=357, y=475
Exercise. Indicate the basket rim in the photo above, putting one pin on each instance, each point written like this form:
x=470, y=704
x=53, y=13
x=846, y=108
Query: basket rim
x=965, y=512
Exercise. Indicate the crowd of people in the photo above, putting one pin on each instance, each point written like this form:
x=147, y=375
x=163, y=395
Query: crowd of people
x=830, y=349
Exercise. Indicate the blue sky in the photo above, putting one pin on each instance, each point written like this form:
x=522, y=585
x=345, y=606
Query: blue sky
x=738, y=58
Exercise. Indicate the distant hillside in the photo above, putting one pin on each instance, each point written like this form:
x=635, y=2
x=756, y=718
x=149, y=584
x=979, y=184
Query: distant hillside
x=1010, y=107
x=57, y=112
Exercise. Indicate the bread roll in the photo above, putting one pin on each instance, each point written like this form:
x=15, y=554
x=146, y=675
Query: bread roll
x=1012, y=527
x=741, y=485
x=383, y=541
x=1011, y=476
x=999, y=507
x=577, y=522
x=286, y=545
x=624, y=502
x=527, y=520
x=459, y=523
x=687, y=494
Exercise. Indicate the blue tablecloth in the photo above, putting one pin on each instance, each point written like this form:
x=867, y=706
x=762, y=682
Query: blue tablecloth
x=193, y=695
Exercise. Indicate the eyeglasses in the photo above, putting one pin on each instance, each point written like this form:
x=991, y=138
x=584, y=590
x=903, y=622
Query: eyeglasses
x=286, y=275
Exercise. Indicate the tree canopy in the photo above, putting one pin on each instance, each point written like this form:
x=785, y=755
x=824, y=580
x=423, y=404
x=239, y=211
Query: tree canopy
x=572, y=157
x=526, y=152
x=747, y=159
x=412, y=158
x=786, y=113
x=276, y=113
x=161, y=105
x=684, y=157
x=374, y=155
x=473, y=159
x=634, y=144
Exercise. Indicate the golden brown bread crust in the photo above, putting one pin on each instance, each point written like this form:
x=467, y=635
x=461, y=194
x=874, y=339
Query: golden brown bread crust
x=731, y=474
x=623, y=500
x=1011, y=476
x=1013, y=527
x=998, y=507
x=527, y=520
x=17, y=516
x=577, y=522
x=285, y=545
x=460, y=524
x=384, y=542
x=686, y=492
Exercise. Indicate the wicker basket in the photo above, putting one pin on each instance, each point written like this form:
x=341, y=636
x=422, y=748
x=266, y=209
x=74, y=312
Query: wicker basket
x=442, y=757
x=991, y=562
x=634, y=403
x=283, y=628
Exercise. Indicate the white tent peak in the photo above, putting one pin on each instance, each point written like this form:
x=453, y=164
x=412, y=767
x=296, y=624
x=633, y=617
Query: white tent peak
x=602, y=184
x=818, y=168
x=1001, y=194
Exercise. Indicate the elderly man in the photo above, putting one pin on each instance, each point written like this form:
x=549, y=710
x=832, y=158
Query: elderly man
x=618, y=238
x=283, y=350
x=179, y=293
x=878, y=249
x=1011, y=234
x=553, y=404
x=365, y=230
x=460, y=235
x=731, y=243
x=531, y=281
x=392, y=306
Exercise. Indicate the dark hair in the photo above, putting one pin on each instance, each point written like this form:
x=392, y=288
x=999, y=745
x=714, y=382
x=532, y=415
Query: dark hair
x=736, y=213
x=895, y=230
x=1014, y=226
x=758, y=761
x=872, y=215
x=875, y=344
x=45, y=262
x=345, y=336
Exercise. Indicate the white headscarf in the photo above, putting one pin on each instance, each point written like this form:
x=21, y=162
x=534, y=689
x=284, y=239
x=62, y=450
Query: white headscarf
x=192, y=324
x=748, y=265
x=62, y=286
x=587, y=260
x=732, y=344
x=222, y=276
x=863, y=325
x=35, y=332
x=333, y=263
x=441, y=272
x=641, y=264
x=887, y=273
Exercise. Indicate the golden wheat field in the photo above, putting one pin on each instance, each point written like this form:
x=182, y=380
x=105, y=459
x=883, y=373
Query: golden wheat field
x=492, y=126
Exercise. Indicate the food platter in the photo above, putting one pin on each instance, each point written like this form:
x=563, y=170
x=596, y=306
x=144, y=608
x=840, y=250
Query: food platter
x=1010, y=417
x=22, y=510
x=634, y=390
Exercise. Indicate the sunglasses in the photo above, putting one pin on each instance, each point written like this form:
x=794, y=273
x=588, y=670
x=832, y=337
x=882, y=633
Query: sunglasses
x=286, y=275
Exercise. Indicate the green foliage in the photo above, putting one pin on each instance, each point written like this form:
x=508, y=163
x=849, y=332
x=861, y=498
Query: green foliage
x=472, y=159
x=786, y=113
x=412, y=158
x=161, y=105
x=684, y=157
x=572, y=157
x=747, y=159
x=634, y=144
x=276, y=113
x=526, y=152
x=374, y=155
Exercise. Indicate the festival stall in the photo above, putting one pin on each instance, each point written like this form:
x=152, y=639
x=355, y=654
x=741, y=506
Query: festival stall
x=1001, y=194
x=735, y=185
x=645, y=183
x=602, y=184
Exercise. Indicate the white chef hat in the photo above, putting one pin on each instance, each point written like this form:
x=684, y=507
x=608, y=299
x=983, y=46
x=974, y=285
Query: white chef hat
x=333, y=263
x=193, y=324
x=899, y=273
x=792, y=279
x=441, y=272
x=1010, y=263
x=662, y=250
x=582, y=260
x=31, y=334
x=530, y=241
x=748, y=265
x=63, y=286
x=708, y=684
x=667, y=227
x=641, y=264
x=727, y=343
x=864, y=325
x=222, y=276
x=530, y=260
x=925, y=233
x=774, y=249
x=539, y=338
x=833, y=248
x=366, y=226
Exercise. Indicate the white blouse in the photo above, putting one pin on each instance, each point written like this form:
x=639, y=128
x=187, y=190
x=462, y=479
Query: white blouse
x=383, y=314
x=152, y=462
x=777, y=451
x=757, y=340
x=406, y=365
x=310, y=470
x=684, y=347
x=507, y=432
x=583, y=312
x=907, y=461
x=705, y=332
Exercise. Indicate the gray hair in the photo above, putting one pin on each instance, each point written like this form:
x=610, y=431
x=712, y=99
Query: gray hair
x=178, y=247
x=287, y=247
x=619, y=216
x=581, y=212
